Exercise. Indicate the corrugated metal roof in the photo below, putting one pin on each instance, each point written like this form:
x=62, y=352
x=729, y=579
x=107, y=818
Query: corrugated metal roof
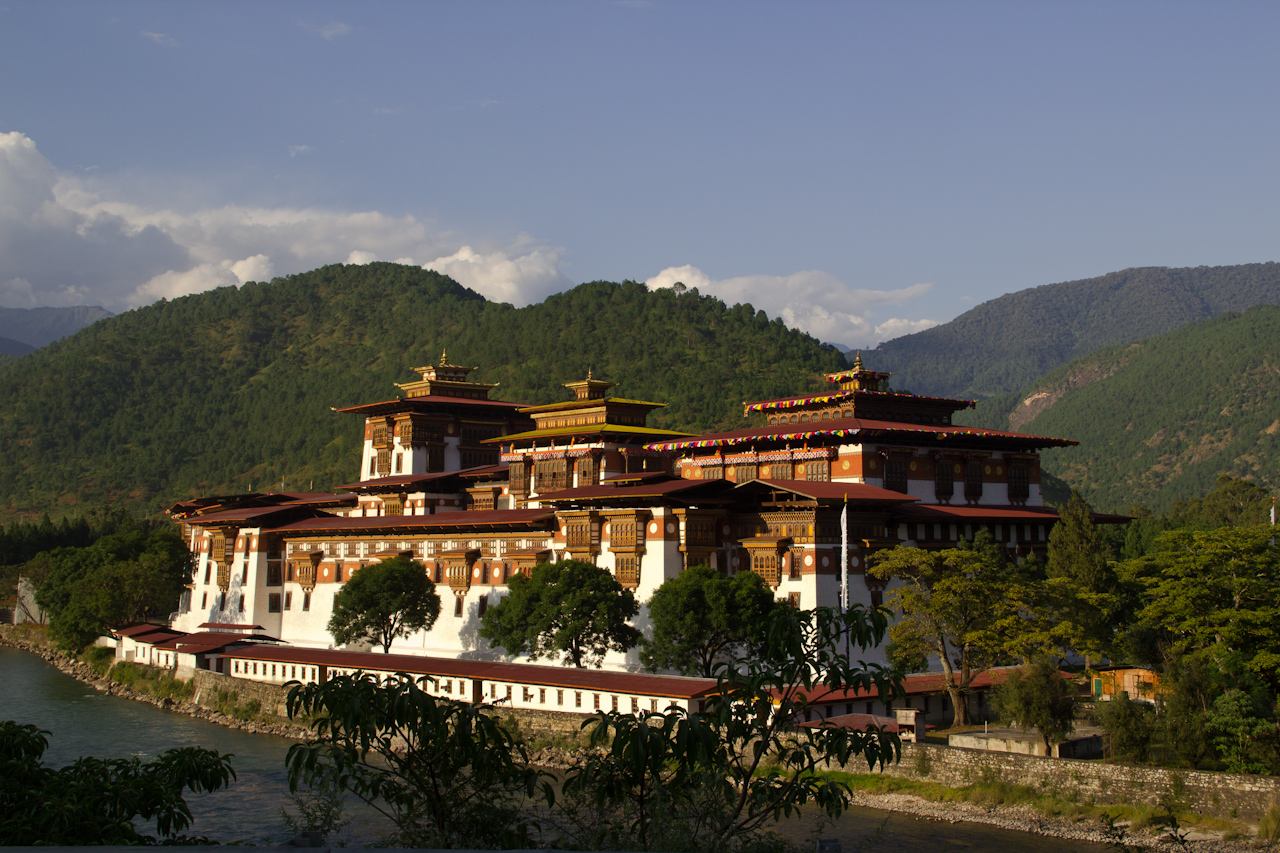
x=604, y=681
x=823, y=490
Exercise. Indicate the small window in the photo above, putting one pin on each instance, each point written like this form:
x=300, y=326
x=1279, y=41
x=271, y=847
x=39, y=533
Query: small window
x=484, y=604
x=306, y=601
x=653, y=705
x=542, y=695
x=337, y=572
x=457, y=605
x=577, y=699
x=508, y=692
x=204, y=600
x=635, y=705
x=559, y=697
x=288, y=601
x=399, y=462
x=526, y=694
x=273, y=602
x=597, y=700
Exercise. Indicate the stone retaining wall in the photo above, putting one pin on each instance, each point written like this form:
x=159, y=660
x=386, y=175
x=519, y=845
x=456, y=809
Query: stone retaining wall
x=1205, y=792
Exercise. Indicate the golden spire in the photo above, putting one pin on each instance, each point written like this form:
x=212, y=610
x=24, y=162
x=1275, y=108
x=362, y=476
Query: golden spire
x=588, y=372
x=857, y=361
x=444, y=355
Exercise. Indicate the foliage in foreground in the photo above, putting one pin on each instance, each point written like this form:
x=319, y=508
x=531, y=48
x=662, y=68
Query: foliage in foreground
x=449, y=775
x=97, y=801
x=1038, y=697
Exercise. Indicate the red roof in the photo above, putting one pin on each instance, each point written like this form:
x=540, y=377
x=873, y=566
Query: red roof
x=141, y=629
x=673, y=686
x=824, y=490
x=941, y=512
x=229, y=626
x=208, y=641
x=915, y=685
x=411, y=479
x=636, y=490
x=849, y=427
x=479, y=518
x=856, y=722
x=246, y=514
x=431, y=401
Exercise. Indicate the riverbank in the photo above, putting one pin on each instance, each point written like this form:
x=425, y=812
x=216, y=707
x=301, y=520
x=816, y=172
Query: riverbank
x=223, y=709
x=983, y=804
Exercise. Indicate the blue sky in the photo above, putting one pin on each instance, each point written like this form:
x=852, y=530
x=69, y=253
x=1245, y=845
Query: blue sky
x=862, y=169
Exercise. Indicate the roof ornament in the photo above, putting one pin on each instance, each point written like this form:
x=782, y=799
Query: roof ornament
x=444, y=355
x=857, y=361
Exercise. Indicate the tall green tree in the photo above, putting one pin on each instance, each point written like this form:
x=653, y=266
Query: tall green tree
x=1215, y=594
x=701, y=617
x=969, y=607
x=568, y=608
x=1084, y=588
x=1038, y=697
x=383, y=602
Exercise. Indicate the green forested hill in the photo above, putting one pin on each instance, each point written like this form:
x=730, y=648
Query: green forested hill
x=1159, y=420
x=1004, y=345
x=221, y=390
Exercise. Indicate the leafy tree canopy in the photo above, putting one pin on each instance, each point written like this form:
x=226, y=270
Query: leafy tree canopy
x=968, y=607
x=1038, y=697
x=568, y=608
x=383, y=602
x=96, y=801
x=701, y=617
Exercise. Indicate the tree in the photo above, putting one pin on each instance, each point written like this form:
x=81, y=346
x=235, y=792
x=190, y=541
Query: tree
x=443, y=771
x=383, y=602
x=718, y=779
x=968, y=606
x=1243, y=733
x=1130, y=724
x=95, y=801
x=570, y=607
x=1083, y=584
x=1215, y=593
x=1038, y=697
x=701, y=616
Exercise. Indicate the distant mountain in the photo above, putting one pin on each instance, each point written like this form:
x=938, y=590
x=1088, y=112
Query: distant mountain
x=1002, y=346
x=37, y=327
x=1159, y=420
x=222, y=390
x=8, y=346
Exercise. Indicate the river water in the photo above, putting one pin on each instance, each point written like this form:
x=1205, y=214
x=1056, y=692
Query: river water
x=83, y=722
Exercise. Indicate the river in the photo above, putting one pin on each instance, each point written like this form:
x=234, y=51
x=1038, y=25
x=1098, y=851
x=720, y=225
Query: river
x=82, y=721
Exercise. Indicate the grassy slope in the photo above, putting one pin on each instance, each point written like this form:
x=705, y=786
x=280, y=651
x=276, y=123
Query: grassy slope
x=221, y=390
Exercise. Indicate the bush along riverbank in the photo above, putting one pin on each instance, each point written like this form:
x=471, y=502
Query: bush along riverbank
x=97, y=668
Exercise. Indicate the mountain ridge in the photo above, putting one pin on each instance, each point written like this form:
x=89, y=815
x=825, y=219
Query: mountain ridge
x=1005, y=344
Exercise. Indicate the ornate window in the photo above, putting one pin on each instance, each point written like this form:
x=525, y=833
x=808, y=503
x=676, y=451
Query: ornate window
x=743, y=473
x=819, y=470
x=944, y=484
x=895, y=474
x=973, y=480
x=1019, y=483
x=627, y=570
x=713, y=472
x=550, y=475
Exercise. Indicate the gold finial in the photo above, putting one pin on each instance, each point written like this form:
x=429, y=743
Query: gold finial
x=588, y=371
x=444, y=355
x=857, y=361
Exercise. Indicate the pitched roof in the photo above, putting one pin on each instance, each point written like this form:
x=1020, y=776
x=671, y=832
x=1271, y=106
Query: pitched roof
x=851, y=427
x=478, y=518
x=636, y=491
x=430, y=401
x=822, y=490
x=604, y=681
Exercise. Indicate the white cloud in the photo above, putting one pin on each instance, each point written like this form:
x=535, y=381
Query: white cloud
x=332, y=31
x=812, y=300
x=295, y=150
x=54, y=254
x=161, y=38
x=70, y=240
x=504, y=276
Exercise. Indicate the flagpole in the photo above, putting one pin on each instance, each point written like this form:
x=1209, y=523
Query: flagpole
x=844, y=566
